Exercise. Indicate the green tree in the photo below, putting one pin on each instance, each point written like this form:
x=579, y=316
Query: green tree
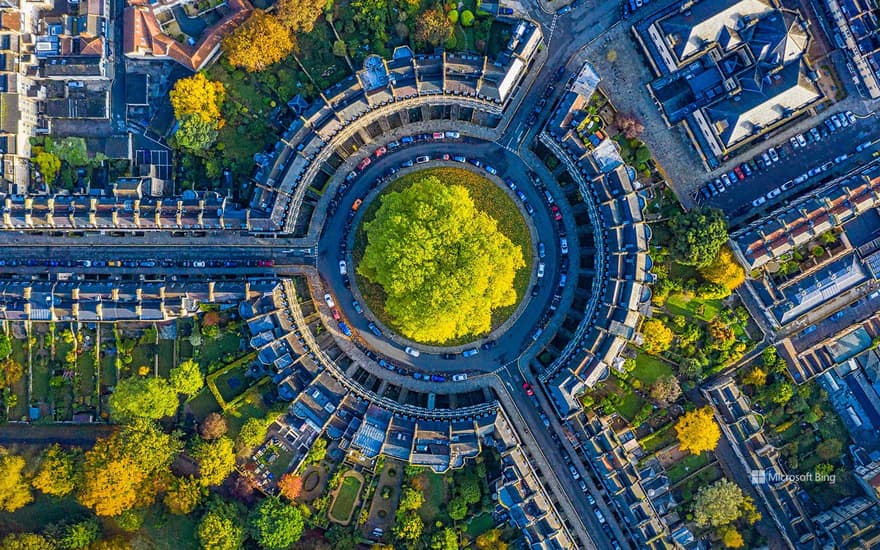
x=71, y=150
x=220, y=528
x=780, y=392
x=79, y=535
x=15, y=491
x=253, y=433
x=186, y=378
x=445, y=539
x=491, y=540
x=718, y=504
x=26, y=541
x=5, y=345
x=457, y=508
x=276, y=525
x=56, y=474
x=443, y=265
x=724, y=270
x=467, y=18
x=184, y=494
x=697, y=236
x=830, y=449
x=317, y=452
x=137, y=397
x=195, y=134
x=470, y=490
x=216, y=460
x=410, y=499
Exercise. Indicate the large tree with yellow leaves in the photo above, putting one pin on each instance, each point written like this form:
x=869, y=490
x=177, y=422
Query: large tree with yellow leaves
x=259, y=42
x=697, y=431
x=443, y=264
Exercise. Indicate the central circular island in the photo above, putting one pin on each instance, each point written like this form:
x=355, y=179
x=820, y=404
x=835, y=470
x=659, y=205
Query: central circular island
x=442, y=256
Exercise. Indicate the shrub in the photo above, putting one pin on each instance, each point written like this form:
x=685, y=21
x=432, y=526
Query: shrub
x=467, y=18
x=453, y=16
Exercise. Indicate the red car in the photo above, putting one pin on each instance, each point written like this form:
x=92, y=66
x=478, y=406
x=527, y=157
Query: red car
x=739, y=173
x=444, y=157
x=336, y=315
x=380, y=151
x=364, y=163
x=557, y=215
x=267, y=263
x=528, y=388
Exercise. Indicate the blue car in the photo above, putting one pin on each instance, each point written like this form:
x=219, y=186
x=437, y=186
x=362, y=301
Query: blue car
x=344, y=328
x=406, y=140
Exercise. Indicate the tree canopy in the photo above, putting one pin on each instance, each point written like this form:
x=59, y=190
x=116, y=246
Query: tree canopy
x=658, y=337
x=15, y=491
x=697, y=431
x=290, y=486
x=195, y=134
x=26, y=541
x=259, y=42
x=213, y=426
x=187, y=378
x=433, y=27
x=299, y=15
x=220, y=528
x=445, y=539
x=184, y=494
x=252, y=433
x=665, y=390
x=137, y=397
x=697, y=236
x=216, y=460
x=57, y=472
x=724, y=270
x=276, y=525
x=196, y=95
x=11, y=372
x=444, y=265
x=718, y=504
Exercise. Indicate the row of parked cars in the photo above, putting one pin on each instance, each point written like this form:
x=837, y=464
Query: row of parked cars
x=31, y=262
x=406, y=140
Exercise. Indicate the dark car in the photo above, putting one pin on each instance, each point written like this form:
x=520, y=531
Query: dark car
x=535, y=290
x=505, y=11
x=488, y=345
x=448, y=356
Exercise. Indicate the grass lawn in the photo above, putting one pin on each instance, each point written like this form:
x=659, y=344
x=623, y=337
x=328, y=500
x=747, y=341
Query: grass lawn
x=435, y=496
x=166, y=357
x=343, y=504
x=85, y=389
x=279, y=466
x=687, y=465
x=164, y=531
x=488, y=198
x=251, y=406
x=203, y=404
x=659, y=439
x=227, y=342
x=43, y=511
x=631, y=405
x=479, y=525
x=679, y=304
x=232, y=383
x=650, y=368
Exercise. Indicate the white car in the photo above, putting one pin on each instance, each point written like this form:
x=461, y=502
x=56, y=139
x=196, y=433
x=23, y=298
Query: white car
x=774, y=193
x=459, y=377
x=329, y=301
x=343, y=269
x=411, y=351
x=422, y=159
x=540, y=270
x=773, y=155
x=563, y=244
x=452, y=135
x=199, y=263
x=802, y=141
x=759, y=201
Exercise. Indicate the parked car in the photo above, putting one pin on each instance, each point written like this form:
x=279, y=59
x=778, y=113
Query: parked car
x=343, y=269
x=380, y=151
x=437, y=135
x=364, y=163
x=336, y=315
x=422, y=159
x=357, y=307
x=759, y=201
x=491, y=170
x=774, y=193
x=540, y=269
x=801, y=140
x=357, y=204
x=541, y=250
x=375, y=330
x=459, y=377
x=563, y=245
x=344, y=328
x=850, y=117
x=329, y=301
x=488, y=344
x=815, y=133
x=470, y=352
x=863, y=146
x=412, y=351
x=773, y=154
x=574, y=472
x=452, y=135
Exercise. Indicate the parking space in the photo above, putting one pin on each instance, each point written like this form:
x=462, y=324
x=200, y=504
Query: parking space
x=774, y=175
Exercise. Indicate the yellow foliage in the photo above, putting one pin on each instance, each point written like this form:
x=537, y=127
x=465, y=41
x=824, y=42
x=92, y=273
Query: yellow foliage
x=756, y=377
x=731, y=538
x=724, y=270
x=111, y=486
x=299, y=15
x=261, y=41
x=14, y=490
x=658, y=337
x=697, y=431
x=197, y=95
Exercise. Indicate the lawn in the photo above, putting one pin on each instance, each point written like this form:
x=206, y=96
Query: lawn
x=650, y=368
x=660, y=439
x=164, y=531
x=166, y=357
x=679, y=304
x=250, y=406
x=343, y=504
x=488, y=198
x=203, y=404
x=686, y=466
x=435, y=496
x=43, y=511
x=631, y=405
x=212, y=350
x=232, y=383
x=479, y=525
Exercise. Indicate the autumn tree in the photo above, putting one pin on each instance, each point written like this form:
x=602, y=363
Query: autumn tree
x=756, y=376
x=491, y=540
x=197, y=95
x=724, y=270
x=122, y=470
x=697, y=236
x=433, y=27
x=665, y=390
x=718, y=504
x=697, y=431
x=731, y=538
x=187, y=378
x=137, y=397
x=252, y=433
x=409, y=527
x=48, y=165
x=290, y=486
x=11, y=372
x=26, y=541
x=628, y=123
x=259, y=42
x=221, y=528
x=216, y=460
x=275, y=525
x=184, y=494
x=213, y=426
x=443, y=264
x=299, y=15
x=657, y=336
x=15, y=491
x=57, y=472
x=445, y=539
